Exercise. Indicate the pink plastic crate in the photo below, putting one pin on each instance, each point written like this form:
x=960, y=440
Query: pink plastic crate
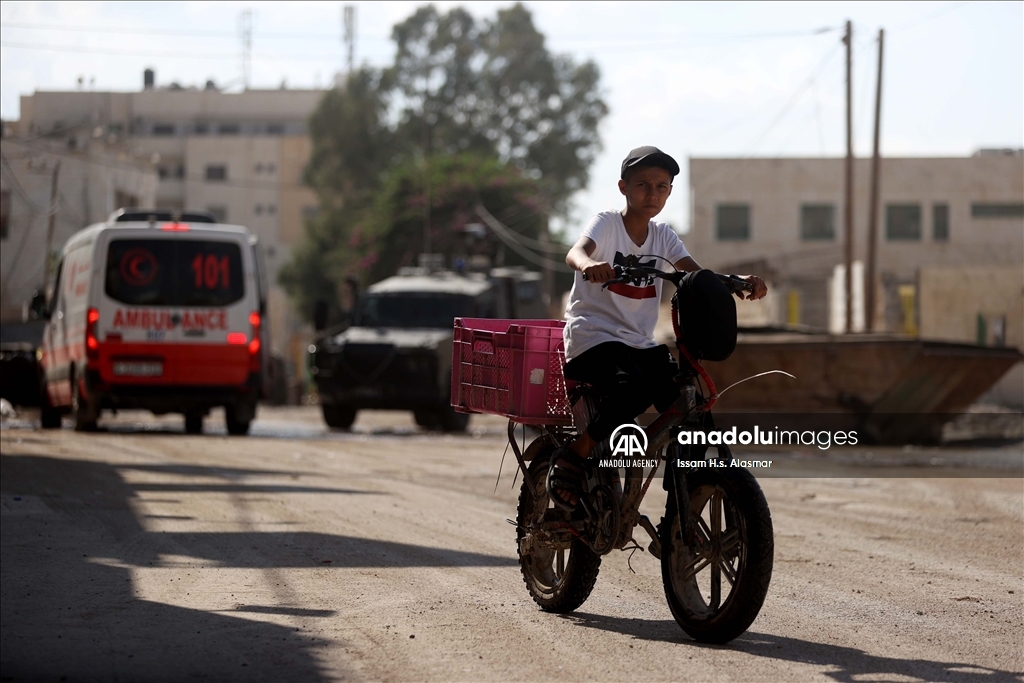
x=511, y=368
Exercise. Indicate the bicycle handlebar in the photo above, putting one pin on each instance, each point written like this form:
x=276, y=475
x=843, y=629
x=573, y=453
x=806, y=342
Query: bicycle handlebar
x=633, y=274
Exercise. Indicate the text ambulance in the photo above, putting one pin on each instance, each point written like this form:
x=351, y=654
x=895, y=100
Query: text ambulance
x=157, y=311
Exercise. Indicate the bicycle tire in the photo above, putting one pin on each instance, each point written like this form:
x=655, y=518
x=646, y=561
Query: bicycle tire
x=554, y=590
x=743, y=513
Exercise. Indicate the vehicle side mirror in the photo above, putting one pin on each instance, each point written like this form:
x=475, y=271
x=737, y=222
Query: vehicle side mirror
x=38, y=310
x=319, y=315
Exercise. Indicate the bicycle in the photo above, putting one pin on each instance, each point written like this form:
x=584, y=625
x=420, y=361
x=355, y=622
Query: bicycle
x=726, y=535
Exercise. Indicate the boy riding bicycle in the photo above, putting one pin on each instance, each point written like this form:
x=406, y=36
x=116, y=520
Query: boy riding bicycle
x=609, y=332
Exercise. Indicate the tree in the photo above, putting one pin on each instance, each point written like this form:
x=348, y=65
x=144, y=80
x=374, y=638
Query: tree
x=470, y=109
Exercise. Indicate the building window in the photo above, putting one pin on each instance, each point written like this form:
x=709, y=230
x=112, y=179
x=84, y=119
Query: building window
x=271, y=168
x=940, y=222
x=996, y=210
x=163, y=172
x=179, y=172
x=217, y=173
x=259, y=167
x=228, y=129
x=220, y=213
x=275, y=129
x=271, y=209
x=733, y=222
x=817, y=222
x=201, y=129
x=163, y=129
x=258, y=209
x=903, y=222
x=5, y=213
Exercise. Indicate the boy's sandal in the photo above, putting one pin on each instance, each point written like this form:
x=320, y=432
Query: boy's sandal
x=564, y=482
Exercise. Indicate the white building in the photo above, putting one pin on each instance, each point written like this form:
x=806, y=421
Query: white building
x=950, y=241
x=85, y=182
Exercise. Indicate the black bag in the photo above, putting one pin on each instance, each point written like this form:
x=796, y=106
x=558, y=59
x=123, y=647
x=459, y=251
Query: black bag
x=706, y=316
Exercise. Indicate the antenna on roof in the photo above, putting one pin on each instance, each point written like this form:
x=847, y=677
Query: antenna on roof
x=246, y=30
x=349, y=36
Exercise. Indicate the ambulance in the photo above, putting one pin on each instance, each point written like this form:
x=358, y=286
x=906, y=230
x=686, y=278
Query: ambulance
x=155, y=310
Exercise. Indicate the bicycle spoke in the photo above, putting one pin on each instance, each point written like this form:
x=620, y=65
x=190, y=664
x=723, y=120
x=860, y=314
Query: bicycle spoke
x=730, y=574
x=716, y=514
x=559, y=564
x=703, y=532
x=692, y=570
x=716, y=586
x=730, y=540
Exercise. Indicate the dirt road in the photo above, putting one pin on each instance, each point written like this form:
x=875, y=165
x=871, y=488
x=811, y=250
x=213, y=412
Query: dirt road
x=139, y=553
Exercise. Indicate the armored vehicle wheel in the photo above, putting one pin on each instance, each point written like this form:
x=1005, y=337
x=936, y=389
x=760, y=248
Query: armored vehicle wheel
x=339, y=416
x=559, y=575
x=734, y=541
x=452, y=421
x=428, y=419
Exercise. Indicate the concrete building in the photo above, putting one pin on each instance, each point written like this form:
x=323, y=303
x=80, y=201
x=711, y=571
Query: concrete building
x=78, y=185
x=238, y=155
x=950, y=242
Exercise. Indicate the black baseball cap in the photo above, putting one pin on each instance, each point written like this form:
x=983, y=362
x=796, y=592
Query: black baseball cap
x=649, y=156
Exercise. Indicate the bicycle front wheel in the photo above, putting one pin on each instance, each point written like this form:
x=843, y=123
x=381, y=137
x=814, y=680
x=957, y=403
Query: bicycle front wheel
x=716, y=586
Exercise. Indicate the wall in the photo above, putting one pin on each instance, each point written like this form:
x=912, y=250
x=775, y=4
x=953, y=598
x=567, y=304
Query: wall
x=775, y=189
x=87, y=184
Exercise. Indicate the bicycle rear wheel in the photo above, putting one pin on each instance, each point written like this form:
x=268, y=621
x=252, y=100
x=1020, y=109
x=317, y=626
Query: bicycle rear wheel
x=559, y=575
x=716, y=587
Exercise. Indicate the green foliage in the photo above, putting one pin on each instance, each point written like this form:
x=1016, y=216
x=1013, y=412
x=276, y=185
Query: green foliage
x=470, y=111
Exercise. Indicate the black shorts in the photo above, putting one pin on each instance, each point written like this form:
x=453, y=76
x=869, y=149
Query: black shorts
x=626, y=380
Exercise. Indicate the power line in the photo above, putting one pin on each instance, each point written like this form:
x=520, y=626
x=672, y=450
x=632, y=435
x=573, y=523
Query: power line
x=177, y=32
x=506, y=236
x=604, y=38
x=179, y=54
x=931, y=15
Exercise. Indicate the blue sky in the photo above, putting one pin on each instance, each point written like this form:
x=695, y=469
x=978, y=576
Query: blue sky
x=696, y=79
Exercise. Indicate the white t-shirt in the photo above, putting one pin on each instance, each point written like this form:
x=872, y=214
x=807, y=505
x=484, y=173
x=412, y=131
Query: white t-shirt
x=622, y=312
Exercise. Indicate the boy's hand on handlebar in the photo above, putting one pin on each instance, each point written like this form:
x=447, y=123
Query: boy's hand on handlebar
x=599, y=272
x=759, y=291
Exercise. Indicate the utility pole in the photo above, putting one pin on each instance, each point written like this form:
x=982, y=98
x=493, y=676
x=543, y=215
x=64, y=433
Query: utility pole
x=426, y=178
x=50, y=225
x=869, y=313
x=848, y=218
x=246, y=29
x=349, y=35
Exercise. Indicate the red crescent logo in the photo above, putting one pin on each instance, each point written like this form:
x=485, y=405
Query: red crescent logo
x=138, y=267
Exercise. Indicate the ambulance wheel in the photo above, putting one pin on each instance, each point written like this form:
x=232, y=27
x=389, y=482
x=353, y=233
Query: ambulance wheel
x=193, y=423
x=49, y=416
x=235, y=426
x=83, y=411
x=238, y=417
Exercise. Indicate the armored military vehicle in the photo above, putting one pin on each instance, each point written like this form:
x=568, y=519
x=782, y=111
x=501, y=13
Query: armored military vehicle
x=397, y=353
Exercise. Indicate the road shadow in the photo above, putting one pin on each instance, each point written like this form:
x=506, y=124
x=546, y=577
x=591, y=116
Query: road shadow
x=71, y=541
x=841, y=664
